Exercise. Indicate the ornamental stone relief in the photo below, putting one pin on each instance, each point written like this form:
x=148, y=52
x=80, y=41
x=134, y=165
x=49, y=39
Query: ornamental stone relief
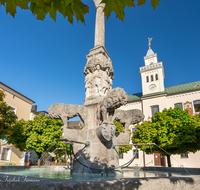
x=186, y=94
x=98, y=77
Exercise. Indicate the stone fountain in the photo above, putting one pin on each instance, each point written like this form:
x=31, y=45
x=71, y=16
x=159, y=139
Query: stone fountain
x=98, y=112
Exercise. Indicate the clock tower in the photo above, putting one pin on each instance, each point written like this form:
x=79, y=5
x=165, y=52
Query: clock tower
x=152, y=73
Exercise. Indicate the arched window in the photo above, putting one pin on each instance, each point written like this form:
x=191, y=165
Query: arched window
x=154, y=109
x=156, y=76
x=196, y=106
x=179, y=104
x=147, y=78
x=151, y=77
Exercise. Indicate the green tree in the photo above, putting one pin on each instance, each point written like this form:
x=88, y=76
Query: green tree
x=173, y=130
x=69, y=8
x=196, y=118
x=119, y=129
x=18, y=136
x=37, y=134
x=7, y=117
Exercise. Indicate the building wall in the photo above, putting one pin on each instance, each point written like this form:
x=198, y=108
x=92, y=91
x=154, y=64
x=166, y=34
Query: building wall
x=191, y=161
x=130, y=106
x=162, y=101
x=32, y=115
x=151, y=102
x=176, y=160
x=149, y=159
x=23, y=108
x=183, y=98
x=14, y=154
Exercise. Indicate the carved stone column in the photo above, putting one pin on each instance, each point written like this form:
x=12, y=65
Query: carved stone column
x=100, y=24
x=98, y=69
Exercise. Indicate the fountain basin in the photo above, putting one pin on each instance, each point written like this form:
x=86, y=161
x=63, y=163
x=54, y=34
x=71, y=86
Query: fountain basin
x=137, y=178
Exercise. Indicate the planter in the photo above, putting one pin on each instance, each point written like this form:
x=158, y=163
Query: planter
x=27, y=163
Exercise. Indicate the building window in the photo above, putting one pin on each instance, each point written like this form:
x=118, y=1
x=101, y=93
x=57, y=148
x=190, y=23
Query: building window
x=178, y=105
x=156, y=76
x=151, y=77
x=14, y=109
x=5, y=154
x=132, y=130
x=154, y=109
x=147, y=78
x=137, y=153
x=196, y=106
x=184, y=155
x=121, y=156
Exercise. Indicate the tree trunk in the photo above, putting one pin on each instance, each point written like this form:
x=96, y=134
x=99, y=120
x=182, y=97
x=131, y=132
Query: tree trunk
x=168, y=161
x=39, y=155
x=39, y=162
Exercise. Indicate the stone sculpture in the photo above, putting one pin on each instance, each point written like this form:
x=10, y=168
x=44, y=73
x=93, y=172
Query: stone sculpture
x=96, y=114
x=106, y=108
x=128, y=117
x=98, y=77
x=66, y=112
x=105, y=111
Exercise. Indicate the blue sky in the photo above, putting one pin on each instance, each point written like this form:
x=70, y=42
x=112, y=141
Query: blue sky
x=44, y=60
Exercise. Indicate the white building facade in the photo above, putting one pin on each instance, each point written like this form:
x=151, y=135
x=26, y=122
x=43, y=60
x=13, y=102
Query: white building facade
x=154, y=98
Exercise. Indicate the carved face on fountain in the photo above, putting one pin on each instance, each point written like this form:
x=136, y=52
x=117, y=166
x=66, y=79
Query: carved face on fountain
x=98, y=67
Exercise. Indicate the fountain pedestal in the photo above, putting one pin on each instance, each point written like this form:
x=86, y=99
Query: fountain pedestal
x=99, y=154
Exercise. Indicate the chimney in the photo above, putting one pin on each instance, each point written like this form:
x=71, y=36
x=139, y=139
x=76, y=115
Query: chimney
x=34, y=108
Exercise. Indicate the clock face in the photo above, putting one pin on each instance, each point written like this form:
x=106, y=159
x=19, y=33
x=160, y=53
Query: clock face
x=152, y=87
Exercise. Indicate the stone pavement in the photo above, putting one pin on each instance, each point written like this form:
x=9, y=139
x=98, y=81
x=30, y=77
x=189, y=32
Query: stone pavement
x=11, y=182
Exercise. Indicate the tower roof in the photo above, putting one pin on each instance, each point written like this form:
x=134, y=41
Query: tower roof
x=149, y=52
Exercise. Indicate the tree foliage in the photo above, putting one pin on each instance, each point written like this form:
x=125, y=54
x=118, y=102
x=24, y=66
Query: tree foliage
x=7, y=117
x=18, y=135
x=119, y=129
x=37, y=134
x=69, y=8
x=173, y=130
